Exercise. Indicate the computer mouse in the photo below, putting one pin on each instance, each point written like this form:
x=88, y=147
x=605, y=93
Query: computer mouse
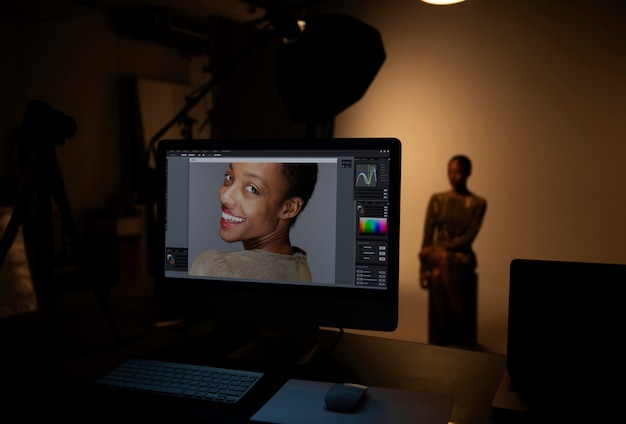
x=345, y=397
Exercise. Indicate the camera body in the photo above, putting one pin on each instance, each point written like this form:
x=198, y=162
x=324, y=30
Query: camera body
x=44, y=126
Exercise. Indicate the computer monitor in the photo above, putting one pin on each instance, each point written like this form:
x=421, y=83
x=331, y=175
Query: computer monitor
x=349, y=229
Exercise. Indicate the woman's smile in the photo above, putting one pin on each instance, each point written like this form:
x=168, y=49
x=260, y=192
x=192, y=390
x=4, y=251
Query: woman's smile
x=228, y=219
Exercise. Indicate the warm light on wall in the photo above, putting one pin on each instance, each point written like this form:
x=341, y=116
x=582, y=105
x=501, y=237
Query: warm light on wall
x=442, y=2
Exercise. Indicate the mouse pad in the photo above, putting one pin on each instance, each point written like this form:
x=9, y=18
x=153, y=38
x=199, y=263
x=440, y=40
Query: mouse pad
x=302, y=401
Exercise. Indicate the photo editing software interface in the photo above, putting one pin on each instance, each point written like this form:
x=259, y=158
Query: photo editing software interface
x=343, y=228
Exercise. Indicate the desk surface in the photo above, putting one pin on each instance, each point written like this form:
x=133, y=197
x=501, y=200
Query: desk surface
x=33, y=393
x=472, y=378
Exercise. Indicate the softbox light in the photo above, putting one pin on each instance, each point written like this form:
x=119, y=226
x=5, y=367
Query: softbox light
x=328, y=67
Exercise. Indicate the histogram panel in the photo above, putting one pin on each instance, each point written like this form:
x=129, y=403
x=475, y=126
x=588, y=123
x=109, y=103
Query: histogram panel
x=366, y=175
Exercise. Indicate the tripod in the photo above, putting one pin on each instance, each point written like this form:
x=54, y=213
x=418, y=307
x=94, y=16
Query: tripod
x=33, y=212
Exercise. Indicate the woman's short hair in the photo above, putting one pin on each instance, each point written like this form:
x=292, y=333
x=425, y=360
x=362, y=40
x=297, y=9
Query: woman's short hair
x=302, y=178
x=465, y=162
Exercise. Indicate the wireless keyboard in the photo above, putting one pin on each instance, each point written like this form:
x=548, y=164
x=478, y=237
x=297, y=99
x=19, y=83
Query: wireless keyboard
x=184, y=380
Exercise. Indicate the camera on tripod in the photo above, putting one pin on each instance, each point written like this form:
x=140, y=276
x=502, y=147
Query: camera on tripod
x=44, y=126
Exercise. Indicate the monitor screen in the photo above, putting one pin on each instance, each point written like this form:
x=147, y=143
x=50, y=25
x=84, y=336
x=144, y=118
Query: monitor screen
x=243, y=238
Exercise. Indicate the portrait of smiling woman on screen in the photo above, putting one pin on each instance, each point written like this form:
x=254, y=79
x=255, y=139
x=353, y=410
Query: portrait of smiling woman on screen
x=260, y=202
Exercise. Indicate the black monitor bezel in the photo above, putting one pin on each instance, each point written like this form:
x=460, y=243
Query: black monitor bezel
x=272, y=304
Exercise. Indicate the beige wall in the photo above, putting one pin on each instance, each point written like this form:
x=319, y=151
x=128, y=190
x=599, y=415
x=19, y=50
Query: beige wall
x=535, y=93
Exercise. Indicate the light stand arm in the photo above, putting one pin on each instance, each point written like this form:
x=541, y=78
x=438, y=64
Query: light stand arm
x=191, y=101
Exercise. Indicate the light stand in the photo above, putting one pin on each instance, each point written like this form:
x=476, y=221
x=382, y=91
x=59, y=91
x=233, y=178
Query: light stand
x=192, y=100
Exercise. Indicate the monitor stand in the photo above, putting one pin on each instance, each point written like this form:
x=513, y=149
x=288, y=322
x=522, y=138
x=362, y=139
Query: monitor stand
x=280, y=346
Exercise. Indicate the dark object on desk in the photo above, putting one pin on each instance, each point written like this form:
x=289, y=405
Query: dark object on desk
x=302, y=402
x=345, y=397
x=563, y=344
